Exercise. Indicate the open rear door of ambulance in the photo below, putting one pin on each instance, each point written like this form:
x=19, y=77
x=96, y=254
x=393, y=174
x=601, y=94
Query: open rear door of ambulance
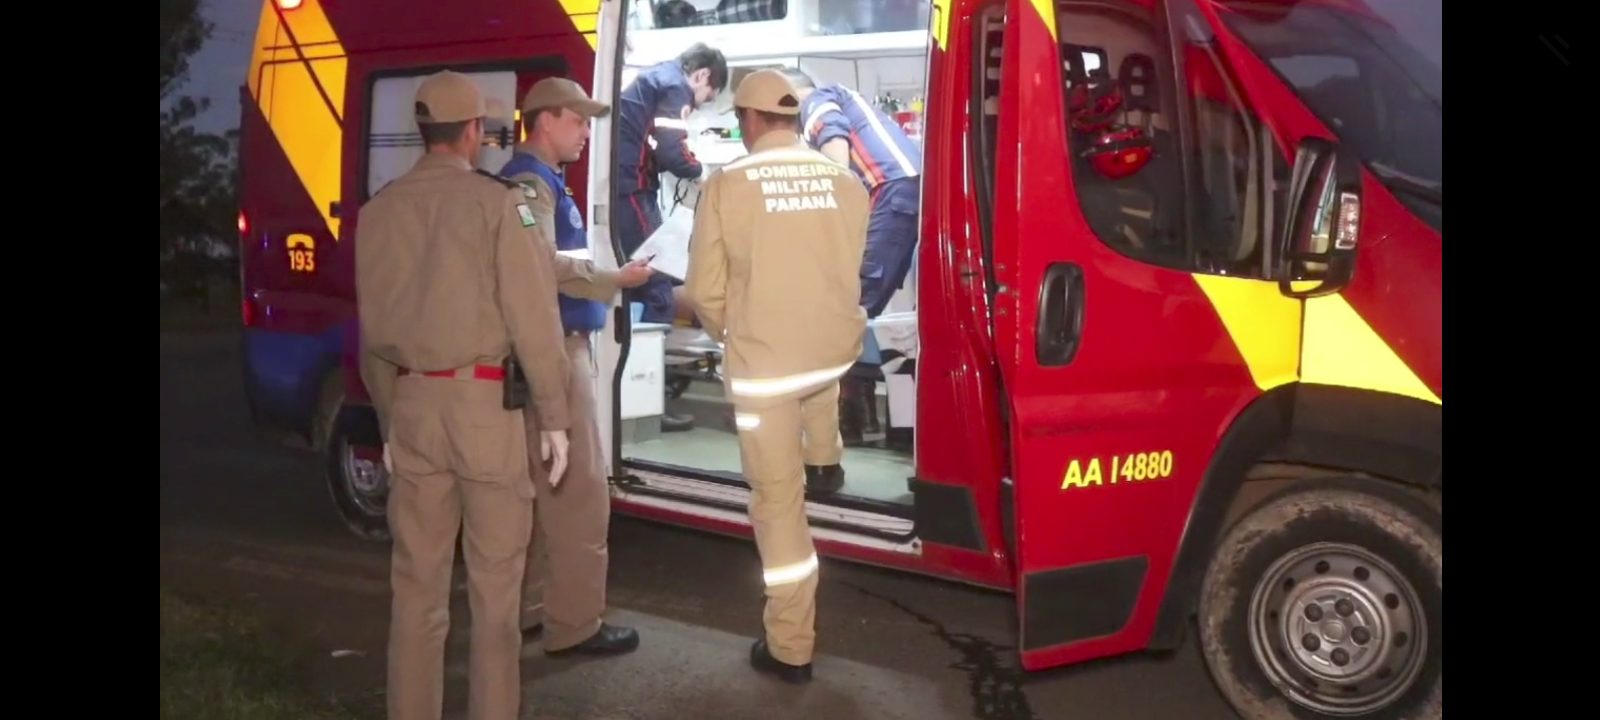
x=609, y=347
x=1118, y=365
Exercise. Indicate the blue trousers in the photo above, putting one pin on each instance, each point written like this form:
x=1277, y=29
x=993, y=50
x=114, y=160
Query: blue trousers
x=633, y=218
x=891, y=238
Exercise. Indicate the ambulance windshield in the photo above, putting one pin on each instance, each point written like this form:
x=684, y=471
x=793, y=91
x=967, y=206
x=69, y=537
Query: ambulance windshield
x=1371, y=70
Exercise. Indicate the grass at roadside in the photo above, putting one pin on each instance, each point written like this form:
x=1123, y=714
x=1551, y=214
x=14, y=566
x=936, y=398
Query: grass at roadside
x=217, y=664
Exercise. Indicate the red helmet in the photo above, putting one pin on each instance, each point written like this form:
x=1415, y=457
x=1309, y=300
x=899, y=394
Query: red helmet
x=1119, y=152
x=1094, y=103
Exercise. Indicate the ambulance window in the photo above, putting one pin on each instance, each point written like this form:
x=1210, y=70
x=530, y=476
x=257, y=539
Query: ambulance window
x=394, y=143
x=853, y=17
x=989, y=34
x=1238, y=178
x=1372, y=72
x=698, y=13
x=1171, y=165
x=1122, y=127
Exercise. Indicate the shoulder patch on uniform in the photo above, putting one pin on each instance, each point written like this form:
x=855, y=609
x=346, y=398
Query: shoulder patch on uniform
x=526, y=214
x=528, y=191
x=495, y=178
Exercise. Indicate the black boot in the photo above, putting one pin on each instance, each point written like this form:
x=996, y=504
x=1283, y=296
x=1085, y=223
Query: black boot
x=676, y=423
x=852, y=414
x=762, y=660
x=824, y=479
x=608, y=640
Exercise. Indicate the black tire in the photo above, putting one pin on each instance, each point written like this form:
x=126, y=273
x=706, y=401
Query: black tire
x=1325, y=602
x=330, y=402
x=359, y=499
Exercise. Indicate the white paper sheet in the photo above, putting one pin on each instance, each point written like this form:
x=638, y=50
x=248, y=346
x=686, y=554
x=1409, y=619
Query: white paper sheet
x=670, y=244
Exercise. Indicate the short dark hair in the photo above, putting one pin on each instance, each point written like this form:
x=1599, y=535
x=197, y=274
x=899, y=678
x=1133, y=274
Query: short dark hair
x=799, y=79
x=530, y=119
x=700, y=56
x=443, y=133
x=773, y=118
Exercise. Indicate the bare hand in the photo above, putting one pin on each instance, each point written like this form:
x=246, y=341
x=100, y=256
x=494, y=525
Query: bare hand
x=634, y=274
x=553, y=449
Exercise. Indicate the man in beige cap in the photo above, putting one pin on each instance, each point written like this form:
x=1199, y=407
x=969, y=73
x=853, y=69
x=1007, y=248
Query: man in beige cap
x=567, y=560
x=774, y=273
x=453, y=283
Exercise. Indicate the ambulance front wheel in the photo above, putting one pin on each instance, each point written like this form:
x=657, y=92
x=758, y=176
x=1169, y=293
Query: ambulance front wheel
x=356, y=477
x=1324, y=602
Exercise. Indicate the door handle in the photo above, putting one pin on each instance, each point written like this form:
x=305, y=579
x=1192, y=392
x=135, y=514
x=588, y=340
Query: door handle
x=1060, y=322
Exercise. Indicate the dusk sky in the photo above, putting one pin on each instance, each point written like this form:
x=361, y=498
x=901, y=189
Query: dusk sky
x=219, y=68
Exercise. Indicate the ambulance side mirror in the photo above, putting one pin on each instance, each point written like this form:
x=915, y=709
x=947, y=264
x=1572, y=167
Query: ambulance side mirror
x=1318, y=244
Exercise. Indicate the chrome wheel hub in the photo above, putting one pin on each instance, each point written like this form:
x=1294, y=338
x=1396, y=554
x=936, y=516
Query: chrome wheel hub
x=1337, y=629
x=366, y=479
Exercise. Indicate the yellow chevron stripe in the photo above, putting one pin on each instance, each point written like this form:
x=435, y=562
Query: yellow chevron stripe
x=1047, y=14
x=1264, y=325
x=1321, y=340
x=1342, y=349
x=940, y=21
x=585, y=16
x=287, y=91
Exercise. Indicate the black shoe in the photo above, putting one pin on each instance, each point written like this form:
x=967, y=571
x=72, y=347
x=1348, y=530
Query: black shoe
x=608, y=640
x=824, y=479
x=762, y=660
x=676, y=423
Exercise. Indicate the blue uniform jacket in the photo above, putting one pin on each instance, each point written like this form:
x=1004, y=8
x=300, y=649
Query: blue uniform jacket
x=879, y=149
x=653, y=107
x=577, y=314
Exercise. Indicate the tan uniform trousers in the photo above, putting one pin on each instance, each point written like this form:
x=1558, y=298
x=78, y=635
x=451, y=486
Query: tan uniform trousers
x=773, y=453
x=565, y=585
x=459, y=458
x=822, y=444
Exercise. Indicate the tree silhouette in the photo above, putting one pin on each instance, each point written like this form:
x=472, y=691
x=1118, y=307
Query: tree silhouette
x=198, y=171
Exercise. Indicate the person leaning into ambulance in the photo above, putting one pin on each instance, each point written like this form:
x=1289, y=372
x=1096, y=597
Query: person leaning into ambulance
x=836, y=120
x=567, y=559
x=774, y=273
x=653, y=137
x=451, y=283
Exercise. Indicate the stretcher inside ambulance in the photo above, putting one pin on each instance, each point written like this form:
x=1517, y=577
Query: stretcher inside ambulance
x=877, y=49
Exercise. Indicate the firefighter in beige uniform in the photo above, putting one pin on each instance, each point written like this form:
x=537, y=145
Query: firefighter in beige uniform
x=774, y=273
x=451, y=281
x=568, y=557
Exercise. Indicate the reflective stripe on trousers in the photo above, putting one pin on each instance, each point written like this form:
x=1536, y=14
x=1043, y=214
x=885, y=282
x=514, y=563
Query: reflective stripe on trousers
x=773, y=449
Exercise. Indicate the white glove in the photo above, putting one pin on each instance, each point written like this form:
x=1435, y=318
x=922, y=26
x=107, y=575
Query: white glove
x=388, y=464
x=553, y=449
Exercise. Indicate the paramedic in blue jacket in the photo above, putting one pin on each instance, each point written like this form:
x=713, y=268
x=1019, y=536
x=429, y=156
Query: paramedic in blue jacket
x=846, y=127
x=653, y=134
x=567, y=558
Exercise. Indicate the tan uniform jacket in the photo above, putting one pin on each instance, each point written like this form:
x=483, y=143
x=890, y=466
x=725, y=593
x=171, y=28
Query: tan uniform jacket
x=577, y=277
x=774, y=267
x=449, y=273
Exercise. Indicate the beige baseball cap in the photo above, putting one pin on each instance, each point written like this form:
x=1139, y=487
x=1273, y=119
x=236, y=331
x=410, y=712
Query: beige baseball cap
x=554, y=92
x=768, y=91
x=447, y=97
